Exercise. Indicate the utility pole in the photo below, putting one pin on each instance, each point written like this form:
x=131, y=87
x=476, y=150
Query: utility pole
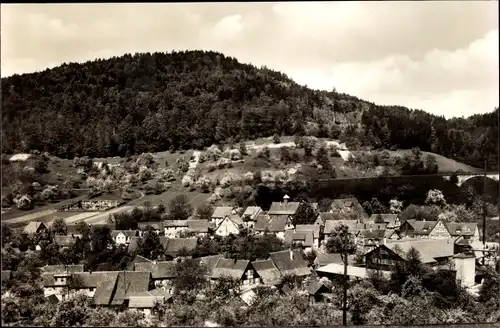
x=344, y=303
x=484, y=211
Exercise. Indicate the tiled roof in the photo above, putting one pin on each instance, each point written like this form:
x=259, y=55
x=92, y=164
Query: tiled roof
x=267, y=271
x=297, y=266
x=314, y=286
x=222, y=211
x=323, y=259
x=252, y=212
x=198, y=226
x=174, y=245
x=145, y=225
x=326, y=216
x=147, y=300
x=305, y=237
x=230, y=268
x=236, y=219
x=210, y=261
x=127, y=233
x=62, y=269
x=33, y=227
x=274, y=223
x=349, y=205
x=352, y=271
x=353, y=226
x=130, y=283
x=429, y=249
x=389, y=219
x=461, y=229
x=280, y=208
x=67, y=240
x=422, y=227
x=175, y=223
x=159, y=270
x=104, y=290
x=305, y=227
x=92, y=279
x=372, y=234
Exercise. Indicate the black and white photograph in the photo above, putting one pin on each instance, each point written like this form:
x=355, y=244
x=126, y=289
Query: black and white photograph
x=250, y=164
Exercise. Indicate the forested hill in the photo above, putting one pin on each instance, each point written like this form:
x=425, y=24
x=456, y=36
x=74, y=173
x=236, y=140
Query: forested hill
x=191, y=99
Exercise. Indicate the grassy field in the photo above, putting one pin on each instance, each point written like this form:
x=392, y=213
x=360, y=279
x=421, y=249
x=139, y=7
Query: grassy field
x=445, y=164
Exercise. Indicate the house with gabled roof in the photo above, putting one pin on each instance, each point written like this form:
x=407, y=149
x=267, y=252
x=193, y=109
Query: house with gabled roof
x=424, y=229
x=316, y=229
x=250, y=215
x=130, y=283
x=173, y=246
x=303, y=239
x=432, y=251
x=65, y=241
x=157, y=227
x=241, y=270
x=326, y=258
x=209, y=261
x=291, y=262
x=122, y=237
x=146, y=301
x=172, y=228
x=268, y=272
x=391, y=220
x=162, y=273
x=220, y=213
x=35, y=227
x=55, y=279
x=316, y=289
x=276, y=225
x=284, y=208
x=231, y=224
x=349, y=208
x=200, y=228
x=468, y=230
x=353, y=226
x=369, y=238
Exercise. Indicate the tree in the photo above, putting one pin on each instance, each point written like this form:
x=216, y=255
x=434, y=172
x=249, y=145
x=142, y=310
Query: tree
x=205, y=211
x=58, y=226
x=305, y=214
x=435, y=197
x=180, y=208
x=323, y=160
x=395, y=206
x=276, y=138
x=149, y=245
x=190, y=276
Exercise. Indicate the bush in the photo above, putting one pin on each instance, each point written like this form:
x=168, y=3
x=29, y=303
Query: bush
x=24, y=203
x=276, y=138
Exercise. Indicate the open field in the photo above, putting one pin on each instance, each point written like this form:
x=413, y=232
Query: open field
x=101, y=217
x=76, y=217
x=29, y=217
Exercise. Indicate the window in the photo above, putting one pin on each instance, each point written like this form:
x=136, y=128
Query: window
x=91, y=289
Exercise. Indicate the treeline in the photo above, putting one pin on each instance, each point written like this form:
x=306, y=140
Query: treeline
x=191, y=99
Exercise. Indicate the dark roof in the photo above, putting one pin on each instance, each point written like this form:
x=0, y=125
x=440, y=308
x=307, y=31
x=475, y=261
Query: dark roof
x=127, y=233
x=52, y=299
x=73, y=229
x=236, y=219
x=62, y=269
x=306, y=227
x=67, y=240
x=6, y=275
x=140, y=259
x=130, y=283
x=314, y=287
x=105, y=287
x=296, y=265
x=372, y=234
x=159, y=270
x=326, y=216
x=353, y=226
x=92, y=279
x=210, y=261
x=267, y=271
x=274, y=223
x=349, y=205
x=222, y=211
x=461, y=229
x=33, y=227
x=324, y=259
x=198, y=226
x=389, y=219
x=252, y=212
x=230, y=268
x=305, y=237
x=422, y=227
x=155, y=225
x=280, y=208
x=175, y=223
x=174, y=245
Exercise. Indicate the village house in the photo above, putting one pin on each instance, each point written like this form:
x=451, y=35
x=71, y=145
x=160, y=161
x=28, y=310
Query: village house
x=291, y=262
x=66, y=241
x=382, y=258
x=35, y=227
x=467, y=230
x=323, y=217
x=241, y=270
x=209, y=262
x=144, y=226
x=323, y=259
x=250, y=216
x=231, y=224
x=391, y=220
x=162, y=273
x=369, y=238
x=349, y=208
x=146, y=301
x=268, y=272
x=55, y=279
x=432, y=251
x=129, y=283
x=303, y=239
x=174, y=247
x=277, y=225
x=122, y=237
x=200, y=228
x=424, y=229
x=316, y=290
x=173, y=227
x=315, y=228
x=220, y=213
x=284, y=208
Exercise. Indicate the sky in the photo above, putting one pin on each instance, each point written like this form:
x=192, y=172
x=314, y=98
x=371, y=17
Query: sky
x=438, y=56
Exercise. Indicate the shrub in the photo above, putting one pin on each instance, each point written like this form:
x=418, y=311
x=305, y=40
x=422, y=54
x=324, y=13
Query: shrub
x=24, y=203
x=276, y=138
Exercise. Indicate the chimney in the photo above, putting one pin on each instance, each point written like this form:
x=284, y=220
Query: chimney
x=285, y=200
x=291, y=254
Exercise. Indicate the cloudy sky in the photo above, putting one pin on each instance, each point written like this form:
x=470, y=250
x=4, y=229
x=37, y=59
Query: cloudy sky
x=441, y=57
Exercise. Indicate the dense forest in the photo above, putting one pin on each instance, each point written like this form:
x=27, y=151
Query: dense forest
x=192, y=99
